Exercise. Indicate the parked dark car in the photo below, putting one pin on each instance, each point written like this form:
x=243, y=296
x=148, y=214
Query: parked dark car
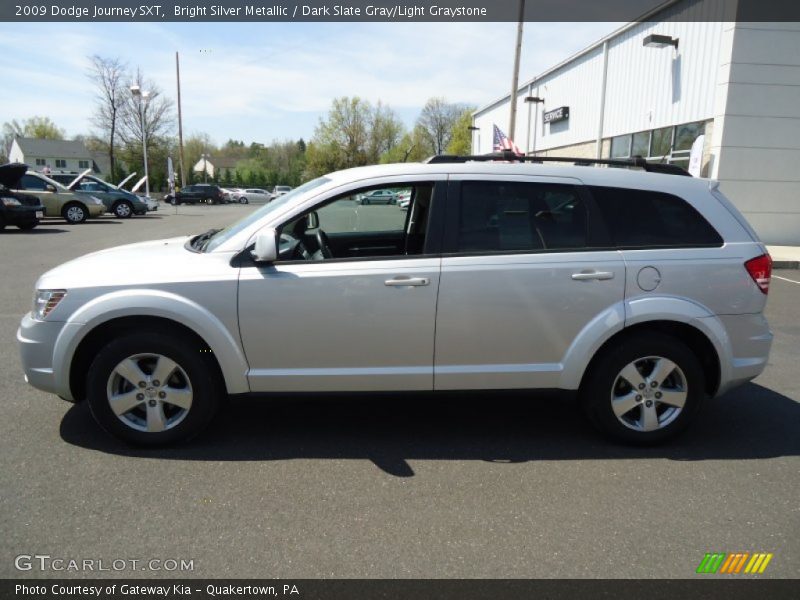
x=206, y=193
x=16, y=208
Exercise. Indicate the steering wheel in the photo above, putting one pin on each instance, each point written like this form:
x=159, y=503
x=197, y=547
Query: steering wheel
x=323, y=243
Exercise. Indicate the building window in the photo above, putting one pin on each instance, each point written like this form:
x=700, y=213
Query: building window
x=685, y=135
x=61, y=164
x=83, y=164
x=621, y=146
x=40, y=162
x=661, y=142
x=641, y=144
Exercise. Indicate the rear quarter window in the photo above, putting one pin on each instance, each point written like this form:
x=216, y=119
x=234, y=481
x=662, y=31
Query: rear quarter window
x=650, y=219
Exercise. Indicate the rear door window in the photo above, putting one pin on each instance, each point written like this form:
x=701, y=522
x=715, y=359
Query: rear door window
x=510, y=216
x=650, y=219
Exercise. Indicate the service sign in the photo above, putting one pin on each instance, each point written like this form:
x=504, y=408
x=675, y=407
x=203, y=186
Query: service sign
x=559, y=114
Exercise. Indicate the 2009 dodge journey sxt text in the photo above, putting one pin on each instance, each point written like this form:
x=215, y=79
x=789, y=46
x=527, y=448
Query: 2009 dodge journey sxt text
x=643, y=291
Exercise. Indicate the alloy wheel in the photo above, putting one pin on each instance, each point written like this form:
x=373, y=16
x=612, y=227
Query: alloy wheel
x=649, y=393
x=149, y=392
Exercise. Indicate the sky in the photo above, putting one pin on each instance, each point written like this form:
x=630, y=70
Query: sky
x=259, y=82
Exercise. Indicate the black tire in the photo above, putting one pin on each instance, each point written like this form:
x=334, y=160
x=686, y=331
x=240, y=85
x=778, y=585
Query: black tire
x=123, y=209
x=365, y=202
x=75, y=213
x=2, y=223
x=201, y=375
x=604, y=378
x=28, y=226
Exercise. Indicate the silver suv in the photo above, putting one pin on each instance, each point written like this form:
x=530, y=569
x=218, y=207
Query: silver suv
x=642, y=291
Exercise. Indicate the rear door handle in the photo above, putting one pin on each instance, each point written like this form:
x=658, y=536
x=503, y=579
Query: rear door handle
x=588, y=275
x=407, y=281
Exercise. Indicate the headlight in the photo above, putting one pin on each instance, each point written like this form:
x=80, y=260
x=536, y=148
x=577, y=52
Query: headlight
x=44, y=301
x=11, y=202
x=96, y=200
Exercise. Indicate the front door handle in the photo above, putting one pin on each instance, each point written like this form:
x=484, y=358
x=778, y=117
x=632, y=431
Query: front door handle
x=407, y=281
x=589, y=275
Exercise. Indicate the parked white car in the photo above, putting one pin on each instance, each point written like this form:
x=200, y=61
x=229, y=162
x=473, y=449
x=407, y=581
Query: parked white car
x=254, y=195
x=642, y=291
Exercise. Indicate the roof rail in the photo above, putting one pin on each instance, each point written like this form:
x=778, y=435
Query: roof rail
x=508, y=156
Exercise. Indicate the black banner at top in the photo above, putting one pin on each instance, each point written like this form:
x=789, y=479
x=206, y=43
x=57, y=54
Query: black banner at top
x=395, y=11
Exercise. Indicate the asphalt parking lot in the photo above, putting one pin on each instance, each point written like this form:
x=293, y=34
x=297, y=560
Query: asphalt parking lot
x=456, y=486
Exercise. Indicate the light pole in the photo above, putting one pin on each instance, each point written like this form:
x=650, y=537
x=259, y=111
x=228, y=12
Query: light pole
x=472, y=130
x=204, y=156
x=532, y=101
x=143, y=97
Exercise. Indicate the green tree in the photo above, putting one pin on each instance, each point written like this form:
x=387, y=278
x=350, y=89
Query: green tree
x=461, y=137
x=412, y=147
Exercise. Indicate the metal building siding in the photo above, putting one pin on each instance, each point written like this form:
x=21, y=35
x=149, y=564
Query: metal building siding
x=648, y=88
x=578, y=87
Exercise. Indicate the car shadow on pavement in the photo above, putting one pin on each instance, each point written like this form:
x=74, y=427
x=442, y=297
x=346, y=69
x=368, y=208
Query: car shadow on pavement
x=10, y=229
x=752, y=422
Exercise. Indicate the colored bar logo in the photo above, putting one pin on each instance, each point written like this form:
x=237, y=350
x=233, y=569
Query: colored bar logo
x=734, y=563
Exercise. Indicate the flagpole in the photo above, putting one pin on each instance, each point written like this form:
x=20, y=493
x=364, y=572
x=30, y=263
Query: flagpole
x=515, y=76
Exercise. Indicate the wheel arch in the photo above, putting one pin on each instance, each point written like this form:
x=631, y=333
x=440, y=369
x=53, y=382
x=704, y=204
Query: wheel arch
x=697, y=340
x=99, y=321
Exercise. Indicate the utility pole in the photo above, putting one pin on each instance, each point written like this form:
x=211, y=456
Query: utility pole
x=180, y=121
x=515, y=77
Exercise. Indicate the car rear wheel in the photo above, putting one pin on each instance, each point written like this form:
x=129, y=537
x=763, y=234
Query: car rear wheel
x=123, y=209
x=644, y=390
x=152, y=389
x=74, y=213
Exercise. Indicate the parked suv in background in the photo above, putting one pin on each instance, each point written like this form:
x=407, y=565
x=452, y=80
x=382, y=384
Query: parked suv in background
x=120, y=203
x=644, y=292
x=199, y=192
x=280, y=190
x=74, y=207
x=22, y=210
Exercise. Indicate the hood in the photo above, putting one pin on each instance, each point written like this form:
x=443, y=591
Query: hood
x=10, y=173
x=142, y=263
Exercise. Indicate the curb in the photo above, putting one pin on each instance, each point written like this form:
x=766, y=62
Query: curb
x=786, y=264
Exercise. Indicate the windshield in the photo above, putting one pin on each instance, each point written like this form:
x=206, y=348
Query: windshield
x=225, y=234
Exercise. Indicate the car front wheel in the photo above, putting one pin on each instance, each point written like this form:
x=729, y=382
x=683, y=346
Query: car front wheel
x=645, y=389
x=123, y=210
x=74, y=213
x=152, y=389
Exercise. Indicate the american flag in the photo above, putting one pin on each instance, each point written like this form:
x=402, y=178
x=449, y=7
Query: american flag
x=501, y=142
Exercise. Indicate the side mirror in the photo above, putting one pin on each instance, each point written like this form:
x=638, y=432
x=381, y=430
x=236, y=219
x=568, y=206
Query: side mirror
x=266, y=249
x=312, y=220
x=50, y=187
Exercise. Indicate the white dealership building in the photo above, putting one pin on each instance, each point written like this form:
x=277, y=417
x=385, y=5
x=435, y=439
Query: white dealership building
x=653, y=87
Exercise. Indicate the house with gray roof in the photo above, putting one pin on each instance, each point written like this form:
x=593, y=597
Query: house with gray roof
x=58, y=155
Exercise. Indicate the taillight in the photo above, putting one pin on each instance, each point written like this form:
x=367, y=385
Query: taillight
x=760, y=269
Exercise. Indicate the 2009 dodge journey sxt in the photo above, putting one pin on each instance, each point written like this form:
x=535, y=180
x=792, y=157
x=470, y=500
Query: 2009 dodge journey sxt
x=644, y=291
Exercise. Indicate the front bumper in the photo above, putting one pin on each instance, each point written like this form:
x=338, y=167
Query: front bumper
x=37, y=340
